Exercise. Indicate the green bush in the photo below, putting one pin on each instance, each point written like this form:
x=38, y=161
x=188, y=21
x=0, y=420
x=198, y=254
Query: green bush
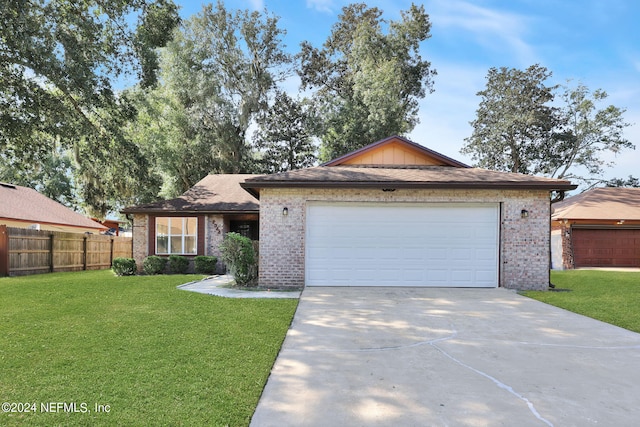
x=239, y=256
x=154, y=264
x=205, y=264
x=178, y=264
x=124, y=266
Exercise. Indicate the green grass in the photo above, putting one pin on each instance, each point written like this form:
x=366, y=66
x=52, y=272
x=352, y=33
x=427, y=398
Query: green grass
x=610, y=296
x=155, y=354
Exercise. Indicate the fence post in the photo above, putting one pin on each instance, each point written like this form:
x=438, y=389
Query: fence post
x=51, y=266
x=84, y=252
x=4, y=251
x=111, y=253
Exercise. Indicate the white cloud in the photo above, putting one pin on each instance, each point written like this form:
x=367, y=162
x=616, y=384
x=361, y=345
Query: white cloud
x=325, y=6
x=493, y=29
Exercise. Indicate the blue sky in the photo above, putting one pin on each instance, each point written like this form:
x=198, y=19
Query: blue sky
x=596, y=42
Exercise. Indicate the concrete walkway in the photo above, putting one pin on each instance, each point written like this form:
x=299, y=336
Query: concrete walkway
x=448, y=357
x=218, y=285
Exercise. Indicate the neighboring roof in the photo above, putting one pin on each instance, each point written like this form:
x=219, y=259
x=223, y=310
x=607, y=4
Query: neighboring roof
x=213, y=194
x=406, y=146
x=606, y=203
x=403, y=177
x=27, y=205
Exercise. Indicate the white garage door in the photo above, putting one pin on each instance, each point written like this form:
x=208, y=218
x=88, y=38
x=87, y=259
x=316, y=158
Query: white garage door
x=437, y=244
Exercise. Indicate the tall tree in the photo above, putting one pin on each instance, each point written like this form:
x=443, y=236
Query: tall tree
x=368, y=77
x=587, y=133
x=514, y=120
x=519, y=129
x=284, y=135
x=59, y=60
x=218, y=75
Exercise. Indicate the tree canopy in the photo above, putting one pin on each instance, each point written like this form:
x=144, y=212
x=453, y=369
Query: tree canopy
x=59, y=61
x=519, y=127
x=284, y=136
x=219, y=74
x=105, y=104
x=368, y=77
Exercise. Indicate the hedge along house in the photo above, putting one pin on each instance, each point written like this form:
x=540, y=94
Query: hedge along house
x=195, y=223
x=395, y=213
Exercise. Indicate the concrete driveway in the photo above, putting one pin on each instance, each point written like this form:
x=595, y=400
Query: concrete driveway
x=448, y=357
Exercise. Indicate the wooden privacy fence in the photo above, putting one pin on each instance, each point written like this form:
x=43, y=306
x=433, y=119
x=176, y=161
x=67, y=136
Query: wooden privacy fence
x=25, y=251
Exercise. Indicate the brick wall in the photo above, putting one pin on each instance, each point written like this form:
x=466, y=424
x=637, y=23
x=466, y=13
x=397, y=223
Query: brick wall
x=567, y=247
x=140, y=238
x=215, y=229
x=524, y=248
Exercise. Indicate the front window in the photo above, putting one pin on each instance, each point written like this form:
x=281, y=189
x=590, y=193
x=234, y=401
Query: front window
x=176, y=236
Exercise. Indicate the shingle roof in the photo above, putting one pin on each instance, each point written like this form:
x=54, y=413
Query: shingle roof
x=403, y=177
x=26, y=204
x=213, y=194
x=607, y=203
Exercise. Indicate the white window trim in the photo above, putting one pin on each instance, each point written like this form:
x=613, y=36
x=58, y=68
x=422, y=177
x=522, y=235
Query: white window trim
x=169, y=235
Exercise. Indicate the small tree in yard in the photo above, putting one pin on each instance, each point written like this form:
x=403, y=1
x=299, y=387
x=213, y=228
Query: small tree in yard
x=239, y=256
x=124, y=266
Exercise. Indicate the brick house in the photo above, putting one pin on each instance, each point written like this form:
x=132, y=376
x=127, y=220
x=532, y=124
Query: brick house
x=395, y=213
x=195, y=223
x=598, y=228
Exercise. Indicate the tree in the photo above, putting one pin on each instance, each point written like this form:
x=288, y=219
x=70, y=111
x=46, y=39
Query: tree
x=59, y=60
x=618, y=182
x=284, y=136
x=518, y=129
x=368, y=81
x=49, y=173
x=514, y=122
x=218, y=75
x=586, y=133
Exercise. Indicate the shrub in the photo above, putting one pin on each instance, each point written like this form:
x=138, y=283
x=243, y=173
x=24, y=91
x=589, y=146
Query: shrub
x=240, y=258
x=178, y=264
x=154, y=264
x=124, y=266
x=205, y=264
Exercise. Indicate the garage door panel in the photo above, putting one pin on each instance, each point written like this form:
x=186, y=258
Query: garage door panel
x=462, y=254
x=438, y=276
x=402, y=244
x=485, y=255
x=606, y=247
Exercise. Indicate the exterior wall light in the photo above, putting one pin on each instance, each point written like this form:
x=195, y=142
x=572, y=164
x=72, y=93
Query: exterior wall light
x=524, y=214
x=285, y=211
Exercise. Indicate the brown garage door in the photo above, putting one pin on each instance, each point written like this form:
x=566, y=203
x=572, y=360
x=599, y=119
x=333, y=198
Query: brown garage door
x=606, y=248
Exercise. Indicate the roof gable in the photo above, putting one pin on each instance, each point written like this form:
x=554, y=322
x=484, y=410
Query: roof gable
x=27, y=205
x=395, y=151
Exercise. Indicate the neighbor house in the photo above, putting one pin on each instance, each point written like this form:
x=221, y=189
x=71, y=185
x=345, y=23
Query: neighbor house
x=395, y=213
x=598, y=228
x=195, y=223
x=23, y=207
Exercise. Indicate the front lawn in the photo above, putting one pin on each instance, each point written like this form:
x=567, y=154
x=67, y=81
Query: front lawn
x=610, y=296
x=89, y=348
